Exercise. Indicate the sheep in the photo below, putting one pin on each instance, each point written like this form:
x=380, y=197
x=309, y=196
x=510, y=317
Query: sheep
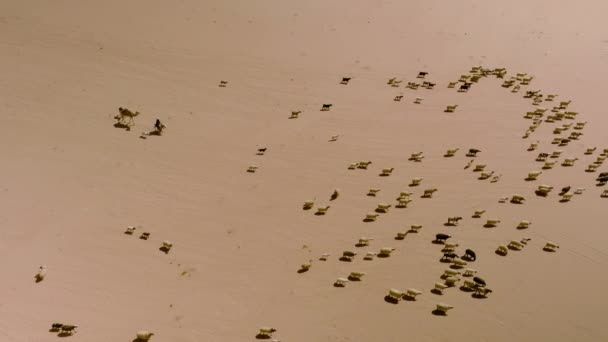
x=451, y=108
x=353, y=166
x=450, y=273
x=265, y=332
x=550, y=247
x=441, y=238
x=485, y=175
x=565, y=190
x=478, y=213
x=416, y=181
x=385, y=252
x=452, y=84
x=403, y=202
x=468, y=285
x=453, y=221
x=416, y=156
x=566, y=197
x=334, y=195
x=482, y=292
x=491, y=223
x=469, y=255
x=604, y=193
x=369, y=256
x=495, y=179
x=387, y=172
x=469, y=163
x=524, y=224
x=469, y=272
x=355, y=276
x=326, y=107
x=370, y=217
x=464, y=87
x=599, y=160
x=533, y=146
x=398, y=98
x=261, y=151
x=130, y=230
x=422, y=74
x=401, y=235
x=448, y=257
x=451, y=281
x=542, y=157
x=443, y=308
x=324, y=256
x=579, y=191
x=125, y=118
x=144, y=236
x=295, y=114
x=569, y=162
x=525, y=240
x=308, y=205
x=322, y=210
x=415, y=228
x=144, y=335
x=551, y=97
x=515, y=245
x=479, y=167
x=391, y=80
x=457, y=263
x=412, y=293
x=68, y=329
x=473, y=152
x=439, y=287
x=305, y=267
x=418, y=100
x=363, y=165
x=516, y=89
x=372, y=192
x=548, y=165
x=503, y=199
x=428, y=193
x=502, y=250
x=564, y=142
x=451, y=152
x=394, y=295
x=412, y=85
x=166, y=246
x=348, y=256
x=556, y=154
x=252, y=168
x=533, y=175
x=363, y=241
x=223, y=84
x=543, y=190
x=447, y=249
x=517, y=199
x=345, y=80
x=56, y=326
x=41, y=274
x=404, y=195
x=451, y=245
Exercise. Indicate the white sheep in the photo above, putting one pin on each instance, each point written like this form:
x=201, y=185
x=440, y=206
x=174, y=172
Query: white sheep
x=404, y=195
x=451, y=152
x=524, y=224
x=450, y=273
x=415, y=228
x=579, y=191
x=395, y=294
x=412, y=293
x=370, y=217
x=439, y=287
x=469, y=284
x=324, y=256
x=383, y=208
x=469, y=272
x=478, y=213
x=451, y=108
x=356, y=276
x=252, y=168
x=479, y=167
x=369, y=256
x=387, y=172
x=401, y=235
x=548, y=165
x=144, y=335
x=502, y=250
x=386, y=251
x=533, y=146
x=533, y=175
x=308, y=205
x=556, y=154
x=322, y=210
x=485, y=175
x=364, y=164
x=130, y=230
x=457, y=263
x=403, y=202
x=569, y=162
x=305, y=267
x=364, y=241
x=451, y=281
x=543, y=189
x=516, y=245
x=373, y=192
x=416, y=181
x=266, y=332
x=551, y=247
x=492, y=223
x=567, y=197
x=517, y=199
x=41, y=274
x=443, y=308
x=353, y=166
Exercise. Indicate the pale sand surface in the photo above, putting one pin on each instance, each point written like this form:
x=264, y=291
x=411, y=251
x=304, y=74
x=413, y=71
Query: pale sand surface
x=70, y=182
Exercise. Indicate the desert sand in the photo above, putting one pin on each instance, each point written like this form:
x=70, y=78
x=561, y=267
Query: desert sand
x=71, y=183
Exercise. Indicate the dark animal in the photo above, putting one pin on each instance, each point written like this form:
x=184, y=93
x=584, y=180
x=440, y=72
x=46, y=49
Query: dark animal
x=68, y=328
x=422, y=74
x=452, y=221
x=262, y=150
x=479, y=281
x=565, y=189
x=473, y=152
x=601, y=175
x=442, y=237
x=602, y=179
x=56, y=326
x=470, y=254
x=326, y=106
x=334, y=195
x=542, y=157
x=345, y=80
x=465, y=87
x=449, y=256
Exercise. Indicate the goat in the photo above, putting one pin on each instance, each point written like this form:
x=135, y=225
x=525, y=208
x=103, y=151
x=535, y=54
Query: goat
x=543, y=190
x=556, y=154
x=482, y=292
x=144, y=335
x=422, y=74
x=125, y=118
x=473, y=152
x=440, y=238
x=449, y=257
x=415, y=228
x=469, y=163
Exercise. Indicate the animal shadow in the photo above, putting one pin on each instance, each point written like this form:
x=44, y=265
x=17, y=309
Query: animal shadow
x=164, y=249
x=262, y=337
x=437, y=292
x=438, y=313
x=122, y=126
x=390, y=300
x=303, y=270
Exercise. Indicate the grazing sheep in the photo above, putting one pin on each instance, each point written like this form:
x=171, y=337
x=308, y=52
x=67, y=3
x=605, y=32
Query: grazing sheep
x=385, y=252
x=404, y=195
x=566, y=197
x=451, y=245
x=491, y=223
x=447, y=249
x=542, y=157
x=295, y=114
x=348, y=256
x=369, y=256
x=469, y=255
x=533, y=175
x=443, y=308
x=428, y=193
x=322, y=210
x=398, y=98
x=395, y=294
x=569, y=162
x=550, y=247
x=451, y=152
x=579, y=191
x=485, y=175
x=469, y=163
x=353, y=166
x=412, y=293
x=363, y=241
x=401, y=235
x=308, y=205
x=448, y=257
x=478, y=213
x=441, y=238
x=326, y=107
x=469, y=272
x=415, y=228
x=324, y=256
x=305, y=267
x=502, y=250
x=144, y=335
x=334, y=195
x=252, y=168
x=473, y=152
x=364, y=164
x=372, y=192
x=265, y=332
x=556, y=154
x=41, y=274
x=418, y=100
x=387, y=172
x=515, y=245
x=457, y=263
x=416, y=156
x=604, y=193
x=130, y=230
x=451, y=108
x=452, y=84
x=495, y=179
x=68, y=329
x=482, y=291
x=468, y=285
x=451, y=281
x=416, y=181
x=479, y=167
x=517, y=199
x=166, y=247
x=370, y=217
x=533, y=146
x=345, y=80
x=356, y=276
x=450, y=273
x=524, y=224
x=543, y=190
x=439, y=287
x=453, y=221
x=403, y=202
x=144, y=236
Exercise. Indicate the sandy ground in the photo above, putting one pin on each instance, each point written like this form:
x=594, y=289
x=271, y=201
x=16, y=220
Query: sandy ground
x=71, y=183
